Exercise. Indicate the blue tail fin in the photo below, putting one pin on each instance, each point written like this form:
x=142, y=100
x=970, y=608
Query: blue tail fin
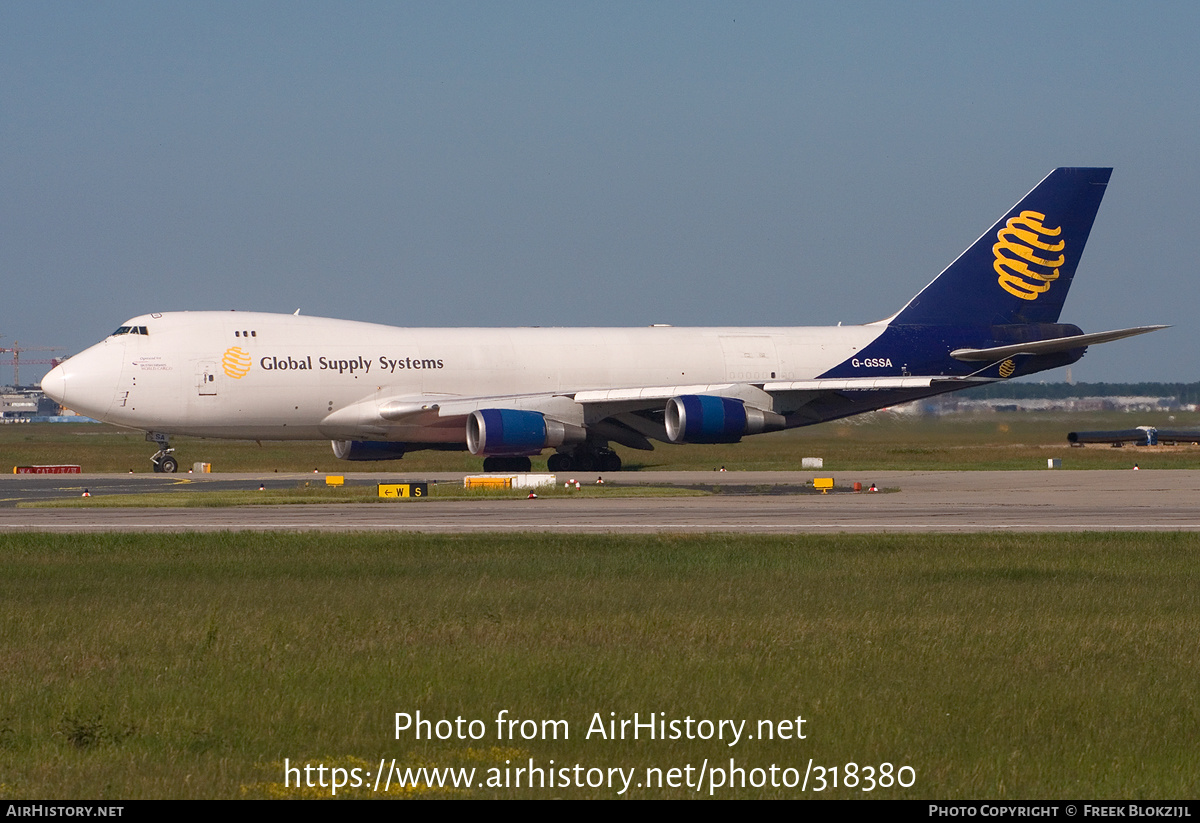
x=1020, y=270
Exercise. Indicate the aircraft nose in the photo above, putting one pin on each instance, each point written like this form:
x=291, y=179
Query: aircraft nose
x=87, y=382
x=54, y=385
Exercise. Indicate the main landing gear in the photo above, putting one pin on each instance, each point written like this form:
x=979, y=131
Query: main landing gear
x=582, y=459
x=585, y=460
x=164, y=459
x=507, y=464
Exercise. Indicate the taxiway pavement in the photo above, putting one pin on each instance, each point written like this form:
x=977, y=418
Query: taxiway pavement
x=750, y=502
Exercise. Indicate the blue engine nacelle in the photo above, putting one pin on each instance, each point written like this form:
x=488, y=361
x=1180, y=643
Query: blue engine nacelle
x=702, y=418
x=514, y=432
x=367, y=450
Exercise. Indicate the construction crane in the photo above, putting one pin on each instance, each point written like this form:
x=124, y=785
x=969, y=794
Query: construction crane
x=17, y=349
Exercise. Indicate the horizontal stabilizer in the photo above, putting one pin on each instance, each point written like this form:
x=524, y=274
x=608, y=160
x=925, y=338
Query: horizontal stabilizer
x=1052, y=346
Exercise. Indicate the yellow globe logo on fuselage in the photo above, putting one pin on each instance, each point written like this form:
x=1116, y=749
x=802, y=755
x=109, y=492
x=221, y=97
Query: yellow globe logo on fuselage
x=236, y=362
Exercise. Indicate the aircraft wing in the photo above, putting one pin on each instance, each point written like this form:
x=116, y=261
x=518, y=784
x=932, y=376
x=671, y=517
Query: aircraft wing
x=632, y=415
x=663, y=393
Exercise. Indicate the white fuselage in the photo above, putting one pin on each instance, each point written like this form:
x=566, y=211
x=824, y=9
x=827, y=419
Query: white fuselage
x=284, y=377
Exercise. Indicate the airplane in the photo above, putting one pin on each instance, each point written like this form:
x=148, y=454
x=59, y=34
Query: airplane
x=377, y=392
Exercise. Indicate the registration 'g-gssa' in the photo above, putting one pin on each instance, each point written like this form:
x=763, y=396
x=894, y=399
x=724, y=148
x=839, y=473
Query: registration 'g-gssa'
x=507, y=394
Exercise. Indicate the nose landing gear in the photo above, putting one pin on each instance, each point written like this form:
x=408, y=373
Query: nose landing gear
x=165, y=462
x=164, y=459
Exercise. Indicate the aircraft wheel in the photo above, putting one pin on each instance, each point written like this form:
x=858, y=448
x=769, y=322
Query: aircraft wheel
x=168, y=465
x=507, y=464
x=610, y=461
x=559, y=462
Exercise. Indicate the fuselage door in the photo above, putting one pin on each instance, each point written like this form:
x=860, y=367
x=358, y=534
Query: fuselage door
x=206, y=377
x=749, y=357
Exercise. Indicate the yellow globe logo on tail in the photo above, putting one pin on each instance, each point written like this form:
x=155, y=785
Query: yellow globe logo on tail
x=1023, y=272
x=236, y=362
x=1007, y=368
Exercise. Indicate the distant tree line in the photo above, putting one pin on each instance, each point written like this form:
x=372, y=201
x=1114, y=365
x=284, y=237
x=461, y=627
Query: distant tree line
x=1183, y=392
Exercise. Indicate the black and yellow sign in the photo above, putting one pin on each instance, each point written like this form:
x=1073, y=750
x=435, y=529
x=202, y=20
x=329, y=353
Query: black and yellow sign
x=403, y=490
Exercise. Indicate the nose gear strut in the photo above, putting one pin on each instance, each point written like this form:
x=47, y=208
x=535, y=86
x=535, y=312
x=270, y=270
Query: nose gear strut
x=164, y=459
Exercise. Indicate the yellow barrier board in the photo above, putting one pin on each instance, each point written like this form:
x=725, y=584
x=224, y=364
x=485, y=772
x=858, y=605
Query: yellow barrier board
x=335, y=480
x=487, y=482
x=823, y=483
x=398, y=490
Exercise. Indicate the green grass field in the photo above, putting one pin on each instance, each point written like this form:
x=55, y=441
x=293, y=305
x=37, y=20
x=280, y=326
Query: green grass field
x=1061, y=666
x=869, y=442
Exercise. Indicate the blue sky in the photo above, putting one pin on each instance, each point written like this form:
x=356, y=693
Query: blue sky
x=584, y=164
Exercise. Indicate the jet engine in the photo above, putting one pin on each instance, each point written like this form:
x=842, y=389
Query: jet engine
x=702, y=418
x=515, y=432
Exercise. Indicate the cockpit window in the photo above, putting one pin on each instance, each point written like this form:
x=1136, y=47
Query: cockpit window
x=130, y=330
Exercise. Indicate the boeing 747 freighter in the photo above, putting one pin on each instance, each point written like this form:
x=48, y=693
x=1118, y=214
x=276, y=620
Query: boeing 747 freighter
x=378, y=392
